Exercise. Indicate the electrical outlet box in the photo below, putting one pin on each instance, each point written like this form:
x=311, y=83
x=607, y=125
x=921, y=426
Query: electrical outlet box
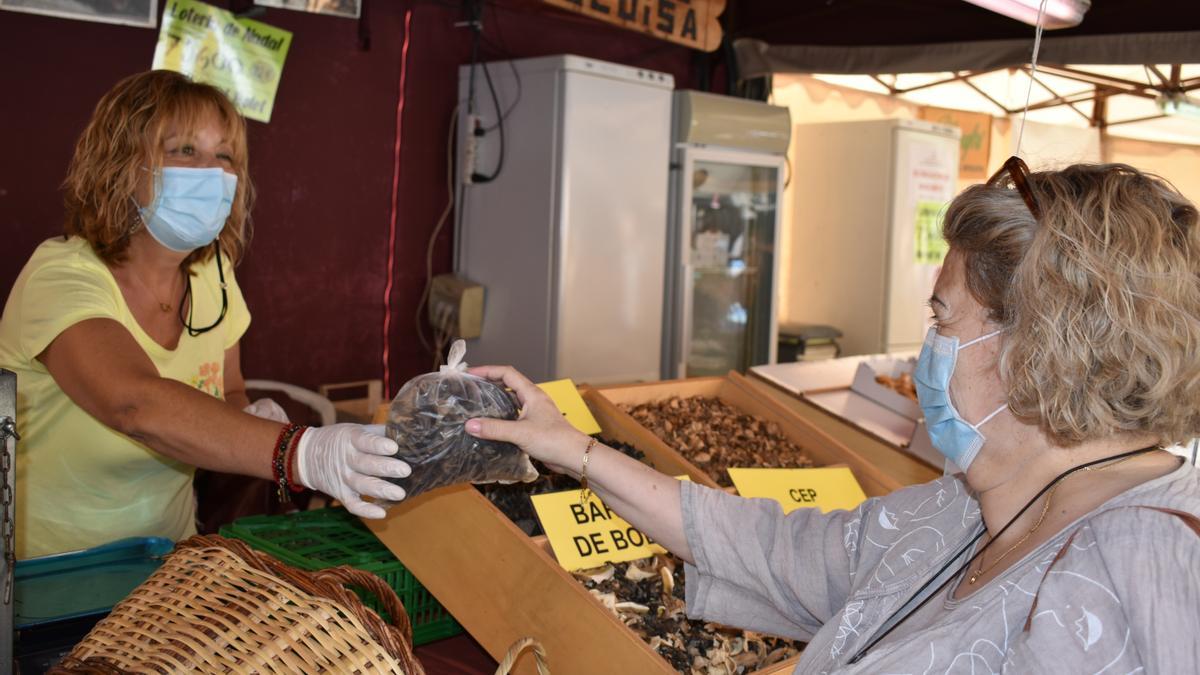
x=470, y=150
x=456, y=306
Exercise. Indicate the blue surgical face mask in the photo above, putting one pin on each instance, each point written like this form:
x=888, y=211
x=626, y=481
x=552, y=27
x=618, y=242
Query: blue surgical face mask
x=953, y=436
x=190, y=206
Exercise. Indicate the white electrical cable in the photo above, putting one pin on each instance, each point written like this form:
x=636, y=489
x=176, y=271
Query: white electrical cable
x=442, y=332
x=437, y=230
x=1037, y=46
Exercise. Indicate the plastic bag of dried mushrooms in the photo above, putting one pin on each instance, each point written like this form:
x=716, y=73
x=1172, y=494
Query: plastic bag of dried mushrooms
x=427, y=419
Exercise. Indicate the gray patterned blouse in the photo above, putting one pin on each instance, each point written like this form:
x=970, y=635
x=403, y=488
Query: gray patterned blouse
x=1116, y=592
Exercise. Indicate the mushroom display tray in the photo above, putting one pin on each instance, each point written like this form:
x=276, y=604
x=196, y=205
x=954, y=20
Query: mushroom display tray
x=504, y=585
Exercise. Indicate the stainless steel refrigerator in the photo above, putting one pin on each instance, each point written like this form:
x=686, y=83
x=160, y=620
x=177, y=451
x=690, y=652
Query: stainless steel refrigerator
x=727, y=180
x=569, y=240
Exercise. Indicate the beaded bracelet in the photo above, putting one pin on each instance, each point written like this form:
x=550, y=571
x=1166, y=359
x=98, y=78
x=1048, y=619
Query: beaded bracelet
x=279, y=460
x=283, y=431
x=290, y=464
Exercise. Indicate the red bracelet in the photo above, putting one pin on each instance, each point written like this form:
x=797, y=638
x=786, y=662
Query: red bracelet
x=290, y=464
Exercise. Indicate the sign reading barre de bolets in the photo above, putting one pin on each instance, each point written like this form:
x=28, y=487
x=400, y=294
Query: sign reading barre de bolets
x=587, y=534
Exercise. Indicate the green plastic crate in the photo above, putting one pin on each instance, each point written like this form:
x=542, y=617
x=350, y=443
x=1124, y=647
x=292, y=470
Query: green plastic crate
x=313, y=540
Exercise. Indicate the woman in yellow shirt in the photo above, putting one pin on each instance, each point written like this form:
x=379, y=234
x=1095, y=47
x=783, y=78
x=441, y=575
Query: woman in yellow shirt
x=124, y=336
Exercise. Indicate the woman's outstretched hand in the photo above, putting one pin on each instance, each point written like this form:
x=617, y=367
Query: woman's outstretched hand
x=542, y=431
x=646, y=498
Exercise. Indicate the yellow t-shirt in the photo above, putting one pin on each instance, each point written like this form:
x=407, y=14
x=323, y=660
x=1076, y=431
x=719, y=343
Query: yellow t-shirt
x=80, y=483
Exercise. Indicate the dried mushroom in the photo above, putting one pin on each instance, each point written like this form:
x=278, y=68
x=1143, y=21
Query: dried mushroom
x=427, y=420
x=902, y=385
x=647, y=595
x=715, y=436
x=513, y=499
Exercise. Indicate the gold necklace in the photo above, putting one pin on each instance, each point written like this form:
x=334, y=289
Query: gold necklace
x=1045, y=509
x=165, y=307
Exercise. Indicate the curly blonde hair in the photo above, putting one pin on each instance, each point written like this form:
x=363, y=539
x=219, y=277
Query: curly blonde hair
x=1099, y=299
x=124, y=138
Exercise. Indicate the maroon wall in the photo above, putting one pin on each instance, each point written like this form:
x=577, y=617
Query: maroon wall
x=315, y=274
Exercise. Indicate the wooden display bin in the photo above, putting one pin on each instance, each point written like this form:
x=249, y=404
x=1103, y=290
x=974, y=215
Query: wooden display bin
x=898, y=464
x=503, y=585
x=739, y=392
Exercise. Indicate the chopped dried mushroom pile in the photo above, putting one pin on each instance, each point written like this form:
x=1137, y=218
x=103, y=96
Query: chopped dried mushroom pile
x=647, y=595
x=635, y=593
x=513, y=499
x=902, y=385
x=715, y=436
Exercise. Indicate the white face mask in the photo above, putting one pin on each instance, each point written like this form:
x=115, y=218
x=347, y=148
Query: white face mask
x=957, y=439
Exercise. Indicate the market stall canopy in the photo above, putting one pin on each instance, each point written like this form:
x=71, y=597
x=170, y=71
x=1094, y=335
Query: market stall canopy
x=1121, y=100
x=1114, y=71
x=885, y=36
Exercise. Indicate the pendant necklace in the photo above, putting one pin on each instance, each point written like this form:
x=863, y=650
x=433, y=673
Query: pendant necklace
x=1045, y=509
x=162, y=306
x=921, y=598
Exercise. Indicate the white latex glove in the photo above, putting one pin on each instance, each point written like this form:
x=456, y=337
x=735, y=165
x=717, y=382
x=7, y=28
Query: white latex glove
x=345, y=461
x=268, y=410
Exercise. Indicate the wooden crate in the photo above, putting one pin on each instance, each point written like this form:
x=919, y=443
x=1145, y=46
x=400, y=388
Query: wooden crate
x=898, y=464
x=738, y=392
x=503, y=585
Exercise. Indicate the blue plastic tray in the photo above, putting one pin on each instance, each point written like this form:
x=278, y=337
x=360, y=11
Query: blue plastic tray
x=83, y=583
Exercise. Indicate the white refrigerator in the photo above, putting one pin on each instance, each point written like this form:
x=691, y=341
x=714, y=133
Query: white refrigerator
x=569, y=240
x=864, y=241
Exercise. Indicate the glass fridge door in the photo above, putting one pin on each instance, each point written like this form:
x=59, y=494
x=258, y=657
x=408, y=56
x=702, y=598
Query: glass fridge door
x=730, y=266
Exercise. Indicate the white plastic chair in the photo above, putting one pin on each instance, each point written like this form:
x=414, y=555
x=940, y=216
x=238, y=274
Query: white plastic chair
x=323, y=406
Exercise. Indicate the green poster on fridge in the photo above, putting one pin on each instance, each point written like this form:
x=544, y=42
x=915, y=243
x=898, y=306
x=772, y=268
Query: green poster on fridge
x=241, y=57
x=929, y=248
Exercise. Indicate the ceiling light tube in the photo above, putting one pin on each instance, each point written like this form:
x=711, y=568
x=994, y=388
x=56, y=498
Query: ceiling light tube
x=1059, y=13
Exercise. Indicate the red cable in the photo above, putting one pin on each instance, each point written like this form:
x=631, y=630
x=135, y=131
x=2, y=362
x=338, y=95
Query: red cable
x=391, y=261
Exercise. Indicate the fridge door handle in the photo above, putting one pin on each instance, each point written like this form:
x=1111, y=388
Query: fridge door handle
x=686, y=318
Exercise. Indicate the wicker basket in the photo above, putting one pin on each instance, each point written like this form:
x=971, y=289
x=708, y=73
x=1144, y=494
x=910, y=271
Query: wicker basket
x=217, y=606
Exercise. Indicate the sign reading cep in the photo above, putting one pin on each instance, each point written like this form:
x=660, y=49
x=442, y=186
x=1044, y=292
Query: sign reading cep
x=687, y=22
x=588, y=534
x=827, y=489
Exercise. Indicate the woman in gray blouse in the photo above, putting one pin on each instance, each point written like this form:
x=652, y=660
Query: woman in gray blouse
x=1065, y=352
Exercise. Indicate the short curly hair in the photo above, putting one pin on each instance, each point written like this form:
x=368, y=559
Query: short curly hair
x=1099, y=299
x=124, y=138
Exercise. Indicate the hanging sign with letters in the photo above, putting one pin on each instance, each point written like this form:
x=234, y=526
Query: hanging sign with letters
x=975, y=142
x=241, y=57
x=692, y=23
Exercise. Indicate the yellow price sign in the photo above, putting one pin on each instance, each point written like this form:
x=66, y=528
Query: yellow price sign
x=566, y=396
x=588, y=534
x=827, y=489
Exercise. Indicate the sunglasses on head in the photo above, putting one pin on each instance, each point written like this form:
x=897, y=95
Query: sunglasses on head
x=1018, y=172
